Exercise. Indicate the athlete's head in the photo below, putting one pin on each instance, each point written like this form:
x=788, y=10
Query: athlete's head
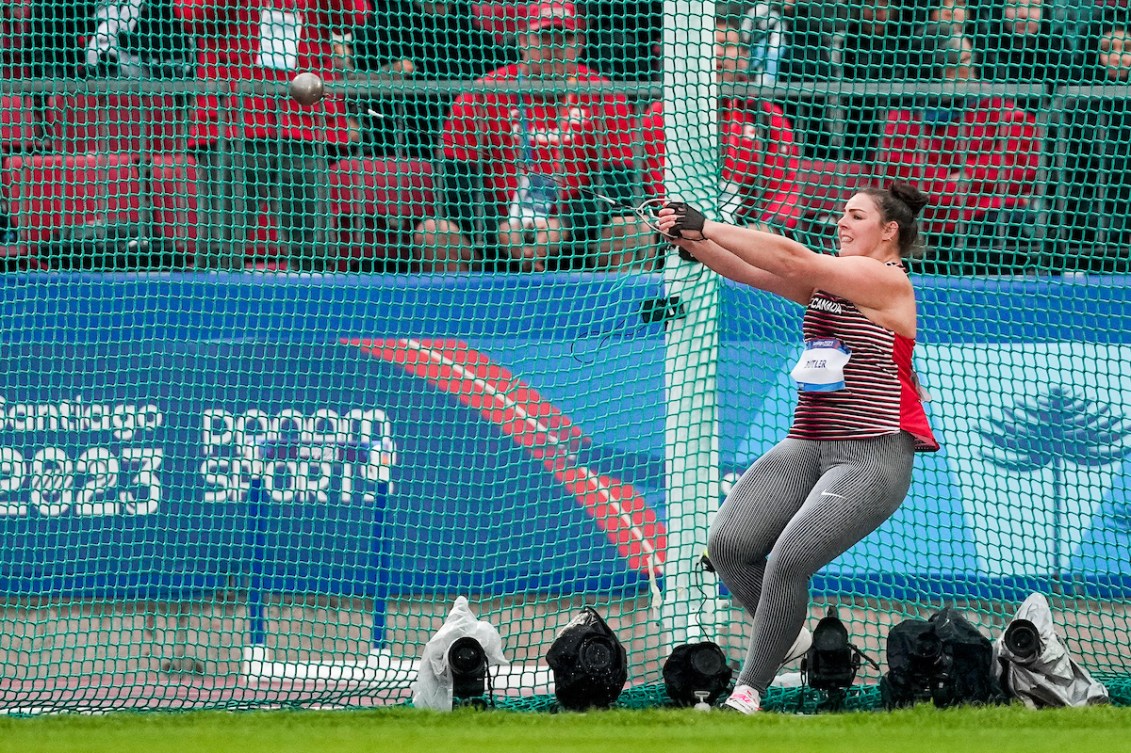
x=882, y=222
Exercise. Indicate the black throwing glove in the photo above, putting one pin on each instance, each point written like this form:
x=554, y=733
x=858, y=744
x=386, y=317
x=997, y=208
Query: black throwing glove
x=689, y=221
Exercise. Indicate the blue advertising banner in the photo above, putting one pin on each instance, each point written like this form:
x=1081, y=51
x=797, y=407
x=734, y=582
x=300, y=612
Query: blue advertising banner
x=134, y=412
x=505, y=434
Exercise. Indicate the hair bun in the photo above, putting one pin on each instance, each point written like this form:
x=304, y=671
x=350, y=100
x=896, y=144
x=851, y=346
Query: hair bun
x=911, y=196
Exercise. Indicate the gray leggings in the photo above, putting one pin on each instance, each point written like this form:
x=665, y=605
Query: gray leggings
x=795, y=510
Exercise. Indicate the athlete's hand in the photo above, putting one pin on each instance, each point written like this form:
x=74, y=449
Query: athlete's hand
x=681, y=220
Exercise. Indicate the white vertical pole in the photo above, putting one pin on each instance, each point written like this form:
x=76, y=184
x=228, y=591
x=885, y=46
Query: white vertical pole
x=691, y=426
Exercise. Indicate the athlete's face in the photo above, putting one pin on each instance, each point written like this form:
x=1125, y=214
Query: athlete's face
x=862, y=231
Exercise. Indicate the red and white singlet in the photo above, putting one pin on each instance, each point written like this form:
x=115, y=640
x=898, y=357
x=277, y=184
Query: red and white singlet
x=855, y=378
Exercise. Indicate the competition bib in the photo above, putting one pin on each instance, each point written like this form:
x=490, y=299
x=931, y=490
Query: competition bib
x=821, y=366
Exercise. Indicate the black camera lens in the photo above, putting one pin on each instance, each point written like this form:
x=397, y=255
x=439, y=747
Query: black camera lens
x=595, y=655
x=468, y=664
x=466, y=655
x=707, y=660
x=1023, y=640
x=927, y=658
x=928, y=648
x=696, y=668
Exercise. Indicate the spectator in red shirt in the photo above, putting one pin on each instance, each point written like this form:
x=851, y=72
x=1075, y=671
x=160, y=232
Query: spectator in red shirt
x=528, y=153
x=759, y=166
x=245, y=142
x=978, y=155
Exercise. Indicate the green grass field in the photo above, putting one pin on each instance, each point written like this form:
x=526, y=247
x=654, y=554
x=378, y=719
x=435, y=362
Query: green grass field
x=990, y=730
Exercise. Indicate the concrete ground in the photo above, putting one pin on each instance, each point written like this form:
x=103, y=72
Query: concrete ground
x=188, y=653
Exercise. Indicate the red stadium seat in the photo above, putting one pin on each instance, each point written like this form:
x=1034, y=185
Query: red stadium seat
x=51, y=195
x=824, y=187
x=172, y=191
x=17, y=124
x=826, y=184
x=17, y=134
x=374, y=204
x=116, y=123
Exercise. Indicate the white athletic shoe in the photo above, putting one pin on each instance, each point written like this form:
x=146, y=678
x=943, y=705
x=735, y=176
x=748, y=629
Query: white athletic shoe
x=744, y=699
x=800, y=646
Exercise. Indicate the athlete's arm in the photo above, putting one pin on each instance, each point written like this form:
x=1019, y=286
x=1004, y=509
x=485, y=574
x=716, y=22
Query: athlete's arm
x=735, y=267
x=863, y=280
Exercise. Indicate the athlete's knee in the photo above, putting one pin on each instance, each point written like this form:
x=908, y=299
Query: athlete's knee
x=794, y=563
x=728, y=549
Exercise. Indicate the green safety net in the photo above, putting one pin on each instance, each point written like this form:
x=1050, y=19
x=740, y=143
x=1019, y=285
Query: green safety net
x=290, y=369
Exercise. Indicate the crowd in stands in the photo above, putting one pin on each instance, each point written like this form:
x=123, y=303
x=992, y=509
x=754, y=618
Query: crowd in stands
x=496, y=175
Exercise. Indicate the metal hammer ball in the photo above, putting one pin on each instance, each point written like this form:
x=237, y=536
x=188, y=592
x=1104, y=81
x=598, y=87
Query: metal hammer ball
x=307, y=88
